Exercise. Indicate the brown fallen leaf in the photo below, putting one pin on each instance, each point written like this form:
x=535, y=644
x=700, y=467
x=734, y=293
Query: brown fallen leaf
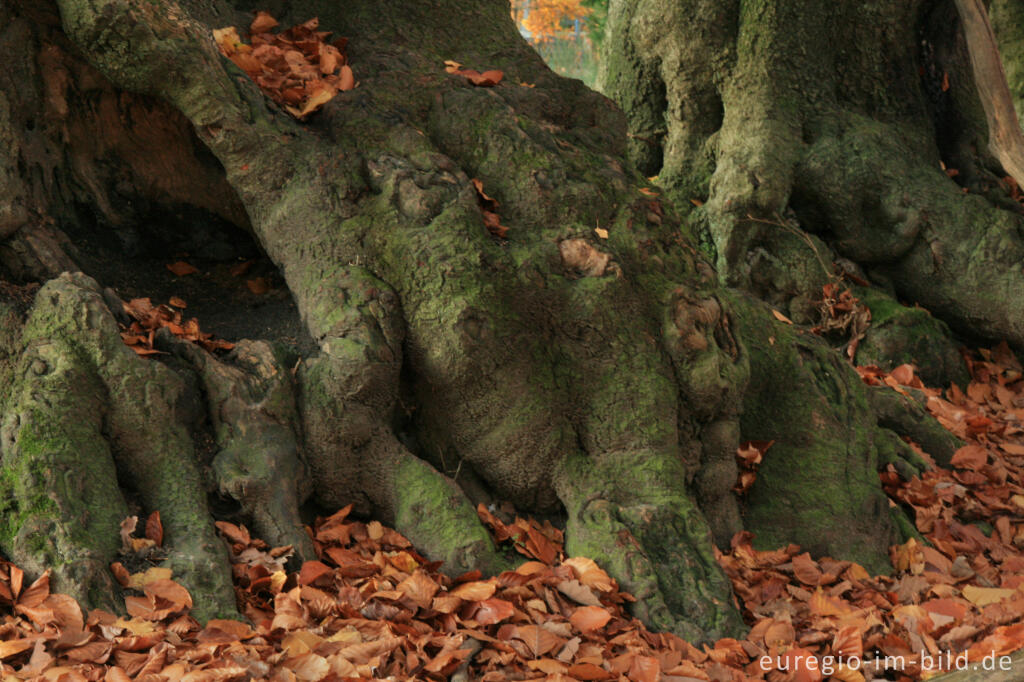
x=181, y=268
x=258, y=285
x=589, y=618
x=780, y=317
x=262, y=23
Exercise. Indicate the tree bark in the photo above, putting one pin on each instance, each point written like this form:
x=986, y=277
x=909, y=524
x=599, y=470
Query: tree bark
x=836, y=120
x=590, y=366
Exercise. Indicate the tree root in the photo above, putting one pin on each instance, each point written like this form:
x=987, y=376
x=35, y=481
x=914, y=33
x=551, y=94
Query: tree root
x=85, y=412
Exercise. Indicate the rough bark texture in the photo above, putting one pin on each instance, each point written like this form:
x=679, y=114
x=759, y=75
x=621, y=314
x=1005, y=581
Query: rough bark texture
x=812, y=139
x=832, y=119
x=516, y=367
x=597, y=380
x=1008, y=23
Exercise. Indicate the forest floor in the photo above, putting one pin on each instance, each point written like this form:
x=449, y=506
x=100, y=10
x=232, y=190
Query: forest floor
x=372, y=607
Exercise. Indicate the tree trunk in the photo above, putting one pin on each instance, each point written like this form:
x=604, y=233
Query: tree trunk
x=1008, y=23
x=594, y=376
x=859, y=123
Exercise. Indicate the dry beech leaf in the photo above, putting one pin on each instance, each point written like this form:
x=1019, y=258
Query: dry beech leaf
x=805, y=570
x=588, y=618
x=983, y=596
x=493, y=611
x=181, y=268
x=780, y=317
x=258, y=285
x=262, y=23
x=154, y=527
x=312, y=571
x=478, y=590
x=346, y=79
x=590, y=574
x=169, y=590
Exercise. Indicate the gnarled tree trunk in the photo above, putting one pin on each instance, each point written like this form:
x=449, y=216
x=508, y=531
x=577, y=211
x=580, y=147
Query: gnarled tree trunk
x=588, y=366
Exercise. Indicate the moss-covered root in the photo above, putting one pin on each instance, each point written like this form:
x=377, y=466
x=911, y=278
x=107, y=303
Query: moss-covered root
x=349, y=394
x=631, y=512
x=907, y=416
x=85, y=397
x=59, y=502
x=431, y=510
x=252, y=409
x=902, y=334
x=818, y=485
x=711, y=369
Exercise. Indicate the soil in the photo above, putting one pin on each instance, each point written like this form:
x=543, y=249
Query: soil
x=237, y=292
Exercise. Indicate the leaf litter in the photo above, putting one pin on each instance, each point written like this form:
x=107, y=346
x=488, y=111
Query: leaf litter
x=372, y=607
x=297, y=68
x=148, y=319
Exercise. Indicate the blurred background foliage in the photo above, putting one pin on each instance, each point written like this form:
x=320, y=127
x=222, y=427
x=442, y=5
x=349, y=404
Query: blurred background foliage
x=566, y=33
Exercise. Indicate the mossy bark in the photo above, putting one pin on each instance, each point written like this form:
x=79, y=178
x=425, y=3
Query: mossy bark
x=834, y=119
x=594, y=376
x=1008, y=23
x=446, y=360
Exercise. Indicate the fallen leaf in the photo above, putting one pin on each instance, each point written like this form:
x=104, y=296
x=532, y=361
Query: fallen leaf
x=181, y=268
x=588, y=618
x=780, y=317
x=262, y=23
x=258, y=285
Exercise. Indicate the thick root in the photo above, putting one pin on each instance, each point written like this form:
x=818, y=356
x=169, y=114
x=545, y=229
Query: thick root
x=631, y=512
x=87, y=412
x=252, y=409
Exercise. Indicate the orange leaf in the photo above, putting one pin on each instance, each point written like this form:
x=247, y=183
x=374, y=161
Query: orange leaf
x=848, y=643
x=258, y=285
x=806, y=570
x=419, y=587
x=346, y=79
x=492, y=611
x=780, y=632
x=169, y=590
x=14, y=647
x=780, y=317
x=181, y=268
x=493, y=224
x=587, y=618
x=240, y=269
x=312, y=571
x=177, y=302
x=548, y=666
x=590, y=574
x=589, y=671
x=644, y=669
x=262, y=23
x=971, y=457
x=489, y=78
x=121, y=573
x=37, y=592
x=477, y=590
x=155, y=528
x=904, y=374
x=539, y=640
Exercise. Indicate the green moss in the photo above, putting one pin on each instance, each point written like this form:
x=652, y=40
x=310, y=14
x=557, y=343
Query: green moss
x=665, y=555
x=818, y=485
x=900, y=334
x=435, y=515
